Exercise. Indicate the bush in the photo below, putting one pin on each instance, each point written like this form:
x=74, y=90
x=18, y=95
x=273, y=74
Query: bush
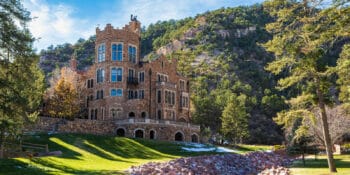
x=346, y=147
x=279, y=147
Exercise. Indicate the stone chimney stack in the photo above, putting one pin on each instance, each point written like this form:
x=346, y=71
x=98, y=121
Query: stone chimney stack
x=135, y=25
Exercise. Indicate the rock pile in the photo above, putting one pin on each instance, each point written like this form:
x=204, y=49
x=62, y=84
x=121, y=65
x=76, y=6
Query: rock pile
x=234, y=164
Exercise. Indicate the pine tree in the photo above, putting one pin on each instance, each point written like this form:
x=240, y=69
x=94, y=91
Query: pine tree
x=21, y=81
x=304, y=38
x=235, y=119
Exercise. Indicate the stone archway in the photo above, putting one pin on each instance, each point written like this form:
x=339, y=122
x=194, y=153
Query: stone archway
x=194, y=138
x=143, y=114
x=139, y=133
x=152, y=134
x=182, y=120
x=179, y=136
x=131, y=115
x=121, y=132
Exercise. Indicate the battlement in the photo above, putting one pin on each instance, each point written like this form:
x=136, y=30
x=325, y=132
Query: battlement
x=134, y=26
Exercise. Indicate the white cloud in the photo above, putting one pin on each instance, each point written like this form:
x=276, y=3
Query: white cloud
x=62, y=23
x=54, y=24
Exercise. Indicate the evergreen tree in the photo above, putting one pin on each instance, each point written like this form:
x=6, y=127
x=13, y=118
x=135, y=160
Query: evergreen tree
x=235, y=119
x=21, y=81
x=303, y=43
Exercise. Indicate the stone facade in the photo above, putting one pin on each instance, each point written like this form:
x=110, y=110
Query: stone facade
x=142, y=128
x=123, y=91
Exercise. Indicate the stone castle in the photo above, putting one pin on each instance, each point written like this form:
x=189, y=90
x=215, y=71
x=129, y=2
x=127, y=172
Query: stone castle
x=128, y=96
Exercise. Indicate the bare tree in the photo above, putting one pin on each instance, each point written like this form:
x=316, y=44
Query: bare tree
x=338, y=122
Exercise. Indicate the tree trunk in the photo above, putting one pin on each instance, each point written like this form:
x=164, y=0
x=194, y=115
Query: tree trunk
x=326, y=135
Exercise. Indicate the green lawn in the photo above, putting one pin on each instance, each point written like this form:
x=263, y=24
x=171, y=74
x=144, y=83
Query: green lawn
x=320, y=167
x=243, y=148
x=89, y=154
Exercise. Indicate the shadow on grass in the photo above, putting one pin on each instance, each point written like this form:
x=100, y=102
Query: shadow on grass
x=127, y=148
x=53, y=146
x=79, y=146
x=13, y=167
x=320, y=163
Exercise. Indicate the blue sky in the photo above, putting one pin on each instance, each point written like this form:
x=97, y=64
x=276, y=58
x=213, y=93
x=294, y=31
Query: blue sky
x=62, y=21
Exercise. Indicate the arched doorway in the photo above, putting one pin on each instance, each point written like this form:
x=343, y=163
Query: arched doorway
x=152, y=134
x=143, y=114
x=131, y=114
x=139, y=133
x=179, y=136
x=121, y=132
x=194, y=138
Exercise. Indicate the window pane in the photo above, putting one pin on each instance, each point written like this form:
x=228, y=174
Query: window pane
x=119, y=92
x=119, y=74
x=114, y=75
x=113, y=92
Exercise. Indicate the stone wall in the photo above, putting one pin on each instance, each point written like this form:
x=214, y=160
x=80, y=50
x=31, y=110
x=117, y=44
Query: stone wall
x=163, y=130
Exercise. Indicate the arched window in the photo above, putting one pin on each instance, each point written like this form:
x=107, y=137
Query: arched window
x=100, y=75
x=179, y=136
x=194, y=138
x=143, y=114
x=121, y=132
x=152, y=134
x=139, y=133
x=131, y=114
x=117, y=52
x=101, y=52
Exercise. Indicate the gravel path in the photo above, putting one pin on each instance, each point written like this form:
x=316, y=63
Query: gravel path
x=228, y=164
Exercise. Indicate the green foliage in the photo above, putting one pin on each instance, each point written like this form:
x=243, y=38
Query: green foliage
x=64, y=102
x=343, y=67
x=303, y=43
x=235, y=118
x=60, y=55
x=346, y=146
x=21, y=81
x=279, y=147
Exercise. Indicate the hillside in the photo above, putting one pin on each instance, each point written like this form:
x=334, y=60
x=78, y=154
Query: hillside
x=219, y=51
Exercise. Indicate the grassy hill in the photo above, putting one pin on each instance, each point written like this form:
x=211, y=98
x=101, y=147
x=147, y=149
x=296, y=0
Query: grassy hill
x=90, y=154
